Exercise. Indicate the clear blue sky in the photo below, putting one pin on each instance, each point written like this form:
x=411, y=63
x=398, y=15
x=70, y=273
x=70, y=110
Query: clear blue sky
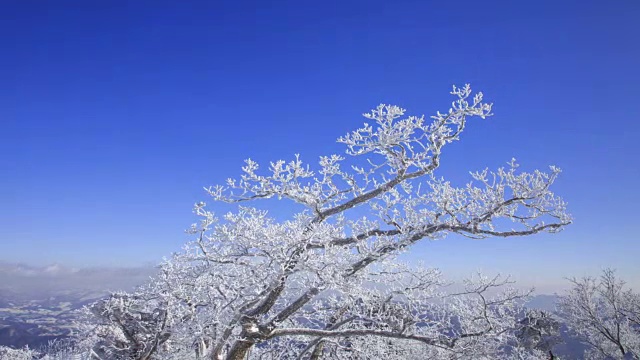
x=115, y=114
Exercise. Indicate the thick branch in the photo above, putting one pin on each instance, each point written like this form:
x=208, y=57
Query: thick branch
x=354, y=239
x=377, y=191
x=293, y=307
x=353, y=332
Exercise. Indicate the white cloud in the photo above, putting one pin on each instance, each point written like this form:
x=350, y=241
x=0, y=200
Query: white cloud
x=24, y=278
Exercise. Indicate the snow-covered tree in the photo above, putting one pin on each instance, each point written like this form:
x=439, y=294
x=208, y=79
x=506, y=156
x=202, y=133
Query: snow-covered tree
x=539, y=330
x=326, y=283
x=7, y=353
x=604, y=316
x=65, y=349
x=124, y=326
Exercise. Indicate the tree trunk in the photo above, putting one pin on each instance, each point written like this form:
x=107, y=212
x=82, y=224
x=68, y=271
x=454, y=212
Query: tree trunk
x=240, y=350
x=317, y=351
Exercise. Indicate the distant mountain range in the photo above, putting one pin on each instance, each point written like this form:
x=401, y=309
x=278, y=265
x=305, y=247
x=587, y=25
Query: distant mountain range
x=37, y=304
x=543, y=302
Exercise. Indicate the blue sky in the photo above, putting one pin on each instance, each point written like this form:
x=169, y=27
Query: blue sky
x=115, y=114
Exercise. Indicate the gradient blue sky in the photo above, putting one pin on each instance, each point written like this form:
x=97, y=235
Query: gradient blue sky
x=115, y=114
